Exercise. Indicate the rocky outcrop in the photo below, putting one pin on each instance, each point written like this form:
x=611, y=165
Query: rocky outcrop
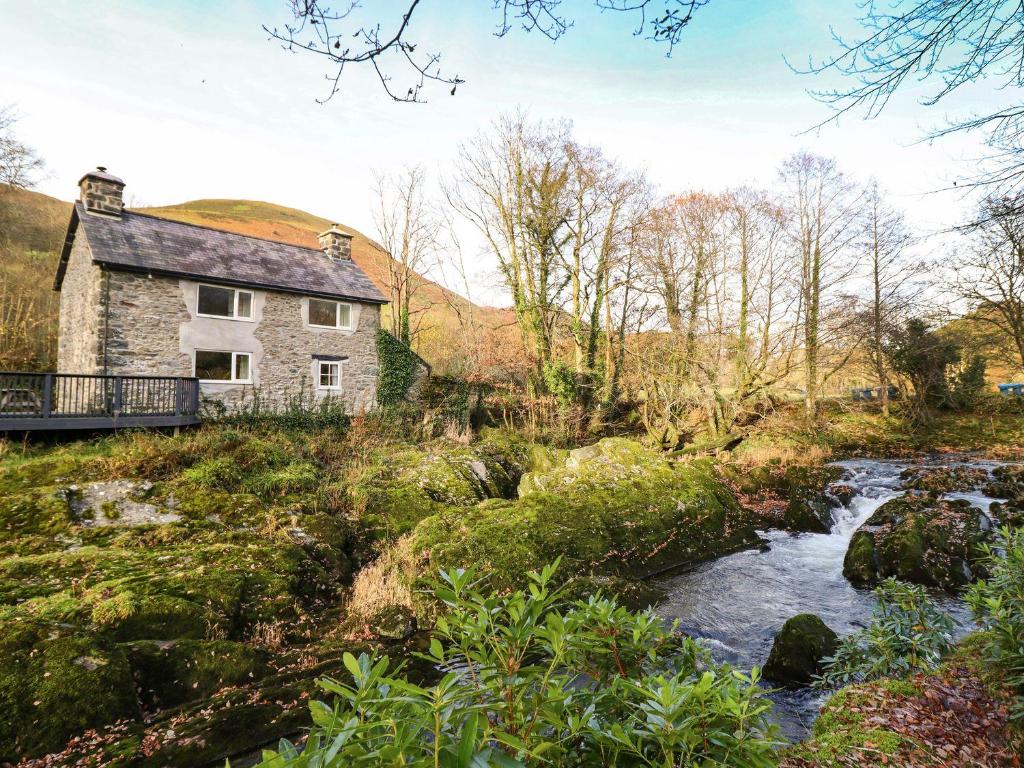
x=612, y=508
x=799, y=648
x=939, y=480
x=796, y=498
x=920, y=539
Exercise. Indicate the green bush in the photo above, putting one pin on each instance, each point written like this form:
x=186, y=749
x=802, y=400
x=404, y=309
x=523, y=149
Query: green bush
x=907, y=634
x=998, y=605
x=533, y=681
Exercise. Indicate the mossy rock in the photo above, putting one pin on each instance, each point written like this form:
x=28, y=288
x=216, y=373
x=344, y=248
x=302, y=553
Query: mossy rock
x=166, y=592
x=860, y=565
x=940, y=480
x=56, y=682
x=810, y=506
x=1009, y=513
x=612, y=509
x=1007, y=483
x=920, y=539
x=403, y=487
x=842, y=492
x=175, y=672
x=393, y=622
x=798, y=650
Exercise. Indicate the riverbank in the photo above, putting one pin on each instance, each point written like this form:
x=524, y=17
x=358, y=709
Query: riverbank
x=170, y=600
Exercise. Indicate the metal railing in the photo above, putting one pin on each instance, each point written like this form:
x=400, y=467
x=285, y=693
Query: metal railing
x=65, y=397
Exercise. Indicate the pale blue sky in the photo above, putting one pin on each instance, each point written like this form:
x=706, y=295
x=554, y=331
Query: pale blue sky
x=189, y=99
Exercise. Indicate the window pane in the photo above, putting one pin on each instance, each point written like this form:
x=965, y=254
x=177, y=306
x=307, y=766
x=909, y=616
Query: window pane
x=242, y=367
x=344, y=312
x=330, y=373
x=216, y=301
x=213, y=365
x=323, y=312
x=244, y=304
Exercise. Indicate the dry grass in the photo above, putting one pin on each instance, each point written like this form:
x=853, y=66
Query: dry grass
x=784, y=454
x=388, y=581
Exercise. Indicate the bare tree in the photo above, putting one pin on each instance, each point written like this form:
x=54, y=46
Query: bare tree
x=885, y=242
x=382, y=40
x=19, y=163
x=989, y=274
x=824, y=207
x=952, y=43
x=409, y=229
x=512, y=185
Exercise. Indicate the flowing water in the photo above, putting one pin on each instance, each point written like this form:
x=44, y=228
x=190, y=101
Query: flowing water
x=737, y=604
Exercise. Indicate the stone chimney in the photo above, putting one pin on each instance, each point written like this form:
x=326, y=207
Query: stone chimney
x=101, y=192
x=336, y=243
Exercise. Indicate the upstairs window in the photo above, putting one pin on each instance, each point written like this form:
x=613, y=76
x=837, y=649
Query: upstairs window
x=234, y=367
x=330, y=375
x=330, y=314
x=230, y=303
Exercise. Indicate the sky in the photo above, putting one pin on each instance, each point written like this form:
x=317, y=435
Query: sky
x=190, y=99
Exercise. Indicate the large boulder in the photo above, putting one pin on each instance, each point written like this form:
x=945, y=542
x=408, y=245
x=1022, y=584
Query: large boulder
x=799, y=648
x=400, y=488
x=920, y=539
x=796, y=498
x=613, y=508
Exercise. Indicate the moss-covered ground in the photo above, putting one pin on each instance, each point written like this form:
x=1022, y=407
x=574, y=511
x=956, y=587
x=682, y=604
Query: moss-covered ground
x=264, y=531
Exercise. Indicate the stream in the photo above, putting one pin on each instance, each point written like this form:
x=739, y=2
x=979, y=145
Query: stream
x=737, y=604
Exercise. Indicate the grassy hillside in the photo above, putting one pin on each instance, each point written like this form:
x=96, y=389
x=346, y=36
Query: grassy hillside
x=32, y=228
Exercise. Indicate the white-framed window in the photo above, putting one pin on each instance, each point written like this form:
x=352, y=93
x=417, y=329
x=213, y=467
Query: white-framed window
x=229, y=303
x=329, y=374
x=218, y=365
x=330, y=314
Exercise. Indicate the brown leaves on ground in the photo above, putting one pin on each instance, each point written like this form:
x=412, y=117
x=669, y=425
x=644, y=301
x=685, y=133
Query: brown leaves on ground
x=955, y=722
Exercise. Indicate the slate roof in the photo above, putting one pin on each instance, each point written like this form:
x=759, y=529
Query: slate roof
x=138, y=242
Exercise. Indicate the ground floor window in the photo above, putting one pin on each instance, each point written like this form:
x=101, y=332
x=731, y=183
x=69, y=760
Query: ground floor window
x=213, y=365
x=330, y=374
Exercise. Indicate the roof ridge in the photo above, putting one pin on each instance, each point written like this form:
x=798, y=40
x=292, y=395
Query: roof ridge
x=223, y=231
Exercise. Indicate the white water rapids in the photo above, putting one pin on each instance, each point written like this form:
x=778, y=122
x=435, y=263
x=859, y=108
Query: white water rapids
x=737, y=604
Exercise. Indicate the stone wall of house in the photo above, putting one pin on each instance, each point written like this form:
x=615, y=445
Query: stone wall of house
x=153, y=330
x=80, y=336
x=291, y=349
x=143, y=326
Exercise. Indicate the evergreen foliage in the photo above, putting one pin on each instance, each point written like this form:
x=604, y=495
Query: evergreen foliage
x=397, y=369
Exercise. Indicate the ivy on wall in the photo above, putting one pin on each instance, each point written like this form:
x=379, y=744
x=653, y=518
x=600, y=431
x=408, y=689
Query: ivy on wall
x=397, y=365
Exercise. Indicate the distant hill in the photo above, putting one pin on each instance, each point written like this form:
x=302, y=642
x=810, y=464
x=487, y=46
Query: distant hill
x=32, y=228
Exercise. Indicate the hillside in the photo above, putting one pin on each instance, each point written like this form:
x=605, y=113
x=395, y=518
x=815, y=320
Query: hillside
x=32, y=227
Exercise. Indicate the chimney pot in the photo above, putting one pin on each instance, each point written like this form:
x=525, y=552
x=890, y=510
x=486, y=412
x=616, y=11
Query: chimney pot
x=102, y=193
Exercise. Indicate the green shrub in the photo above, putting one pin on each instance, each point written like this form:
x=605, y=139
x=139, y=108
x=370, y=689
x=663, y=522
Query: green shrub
x=907, y=634
x=998, y=605
x=534, y=681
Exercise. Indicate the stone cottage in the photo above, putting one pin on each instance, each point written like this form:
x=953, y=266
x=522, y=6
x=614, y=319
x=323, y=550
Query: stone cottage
x=143, y=295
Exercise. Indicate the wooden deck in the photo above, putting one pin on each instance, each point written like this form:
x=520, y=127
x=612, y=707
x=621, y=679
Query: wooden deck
x=56, y=401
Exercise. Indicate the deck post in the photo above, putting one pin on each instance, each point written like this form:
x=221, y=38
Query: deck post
x=118, y=395
x=194, y=405
x=47, y=395
x=178, y=396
